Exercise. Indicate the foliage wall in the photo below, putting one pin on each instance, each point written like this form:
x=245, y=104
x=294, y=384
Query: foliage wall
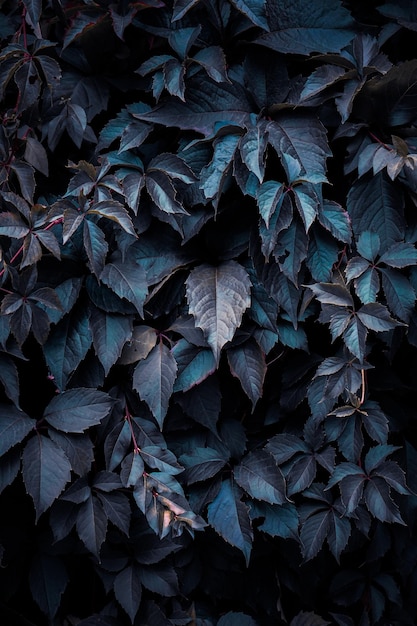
x=208, y=329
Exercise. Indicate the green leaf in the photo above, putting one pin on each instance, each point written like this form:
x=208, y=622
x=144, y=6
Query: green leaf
x=153, y=379
x=75, y=410
x=217, y=298
x=46, y=470
x=229, y=517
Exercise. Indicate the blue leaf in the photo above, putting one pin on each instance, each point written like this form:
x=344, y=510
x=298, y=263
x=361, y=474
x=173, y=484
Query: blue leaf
x=14, y=426
x=236, y=619
x=127, y=279
x=278, y=520
x=369, y=245
x=46, y=470
x=313, y=533
x=247, y=363
x=400, y=294
x=261, y=478
x=75, y=410
x=194, y=365
x=229, y=516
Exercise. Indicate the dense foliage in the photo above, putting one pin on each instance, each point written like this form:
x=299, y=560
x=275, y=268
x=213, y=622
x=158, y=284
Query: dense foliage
x=208, y=330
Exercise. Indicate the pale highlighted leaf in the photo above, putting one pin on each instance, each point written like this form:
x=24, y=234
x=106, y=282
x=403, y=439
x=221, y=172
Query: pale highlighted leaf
x=218, y=296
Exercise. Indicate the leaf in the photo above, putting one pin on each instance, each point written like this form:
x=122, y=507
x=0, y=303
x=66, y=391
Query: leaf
x=307, y=618
x=163, y=193
x=254, y=10
x=390, y=98
x=68, y=344
x=110, y=332
x=332, y=293
x=401, y=254
x=278, y=520
x=297, y=29
x=302, y=474
x=194, y=365
x=128, y=589
x=233, y=618
x=217, y=298
x=379, y=502
x=247, y=363
x=127, y=280
x=91, y=525
x=339, y=533
x=117, y=508
x=304, y=139
x=78, y=449
x=14, y=426
x=48, y=579
x=46, y=470
x=399, y=293
x=313, y=533
x=153, y=379
x=261, y=478
x=201, y=464
x=95, y=245
x=12, y=225
x=214, y=175
x=375, y=316
x=336, y=220
x=75, y=410
x=228, y=515
x=376, y=205
x=140, y=343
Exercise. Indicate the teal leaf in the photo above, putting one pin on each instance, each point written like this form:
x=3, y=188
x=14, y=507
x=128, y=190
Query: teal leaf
x=128, y=280
x=297, y=29
x=399, y=293
x=259, y=475
x=195, y=364
x=229, y=517
x=110, y=332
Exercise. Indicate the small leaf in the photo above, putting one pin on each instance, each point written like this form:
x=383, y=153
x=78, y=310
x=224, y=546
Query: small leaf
x=313, y=533
x=110, y=332
x=201, y=464
x=91, y=525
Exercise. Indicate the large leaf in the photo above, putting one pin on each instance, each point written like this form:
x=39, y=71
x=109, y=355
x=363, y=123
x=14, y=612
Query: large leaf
x=217, y=297
x=302, y=28
x=46, y=471
x=75, y=410
x=154, y=379
x=229, y=517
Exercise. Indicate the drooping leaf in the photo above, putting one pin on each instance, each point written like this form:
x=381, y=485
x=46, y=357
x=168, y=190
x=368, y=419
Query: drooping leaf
x=154, y=378
x=247, y=363
x=217, y=297
x=128, y=589
x=229, y=517
x=46, y=470
x=48, y=579
x=91, y=525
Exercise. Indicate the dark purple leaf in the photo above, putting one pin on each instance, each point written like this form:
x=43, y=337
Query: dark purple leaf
x=128, y=589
